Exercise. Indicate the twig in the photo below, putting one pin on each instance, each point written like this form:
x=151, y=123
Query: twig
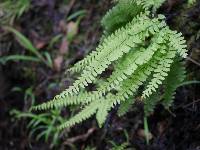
x=194, y=61
x=191, y=103
x=72, y=2
x=79, y=137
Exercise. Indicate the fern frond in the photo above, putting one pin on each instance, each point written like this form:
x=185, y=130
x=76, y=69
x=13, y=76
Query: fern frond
x=102, y=112
x=124, y=11
x=160, y=73
x=142, y=51
x=86, y=113
x=177, y=41
x=150, y=103
x=81, y=98
x=112, y=49
x=130, y=63
x=129, y=37
x=120, y=15
x=173, y=80
x=125, y=106
x=152, y=3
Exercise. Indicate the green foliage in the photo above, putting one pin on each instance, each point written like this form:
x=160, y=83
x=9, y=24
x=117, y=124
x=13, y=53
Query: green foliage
x=26, y=43
x=90, y=148
x=143, y=52
x=120, y=15
x=191, y=2
x=125, y=106
x=120, y=147
x=123, y=146
x=42, y=126
x=146, y=129
x=11, y=10
x=173, y=80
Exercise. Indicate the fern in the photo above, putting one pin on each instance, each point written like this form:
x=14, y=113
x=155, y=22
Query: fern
x=143, y=52
x=120, y=15
x=174, y=79
x=87, y=112
x=150, y=103
x=125, y=106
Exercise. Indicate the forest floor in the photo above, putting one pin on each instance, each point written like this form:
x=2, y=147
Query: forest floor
x=47, y=23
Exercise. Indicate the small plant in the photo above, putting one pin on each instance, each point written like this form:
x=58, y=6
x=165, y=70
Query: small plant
x=42, y=126
x=26, y=43
x=122, y=146
x=146, y=56
x=11, y=10
x=191, y=2
x=119, y=147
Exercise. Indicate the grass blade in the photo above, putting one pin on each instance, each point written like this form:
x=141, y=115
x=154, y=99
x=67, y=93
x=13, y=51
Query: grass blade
x=25, y=42
x=5, y=59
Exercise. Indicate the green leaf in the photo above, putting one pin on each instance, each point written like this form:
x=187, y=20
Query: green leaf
x=5, y=59
x=25, y=42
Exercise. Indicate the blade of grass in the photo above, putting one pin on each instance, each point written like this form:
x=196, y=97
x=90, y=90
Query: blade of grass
x=189, y=82
x=49, y=60
x=26, y=43
x=146, y=130
x=76, y=14
x=5, y=59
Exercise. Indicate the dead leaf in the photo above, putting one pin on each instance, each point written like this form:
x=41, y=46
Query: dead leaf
x=62, y=26
x=162, y=127
x=72, y=30
x=64, y=47
x=141, y=133
x=40, y=44
x=38, y=41
x=58, y=63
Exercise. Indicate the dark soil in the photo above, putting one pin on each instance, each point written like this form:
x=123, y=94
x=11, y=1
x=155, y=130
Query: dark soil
x=175, y=129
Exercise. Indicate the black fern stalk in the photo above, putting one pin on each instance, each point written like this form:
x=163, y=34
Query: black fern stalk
x=144, y=52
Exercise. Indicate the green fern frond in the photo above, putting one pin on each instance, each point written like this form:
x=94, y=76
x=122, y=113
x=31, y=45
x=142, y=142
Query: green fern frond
x=160, y=73
x=153, y=3
x=120, y=44
x=178, y=43
x=86, y=113
x=151, y=102
x=172, y=81
x=102, y=112
x=125, y=106
x=130, y=86
x=121, y=41
x=142, y=51
x=81, y=98
x=130, y=63
x=121, y=14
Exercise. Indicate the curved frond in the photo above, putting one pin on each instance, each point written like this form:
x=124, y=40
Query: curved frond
x=86, y=113
x=125, y=106
x=120, y=15
x=173, y=80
